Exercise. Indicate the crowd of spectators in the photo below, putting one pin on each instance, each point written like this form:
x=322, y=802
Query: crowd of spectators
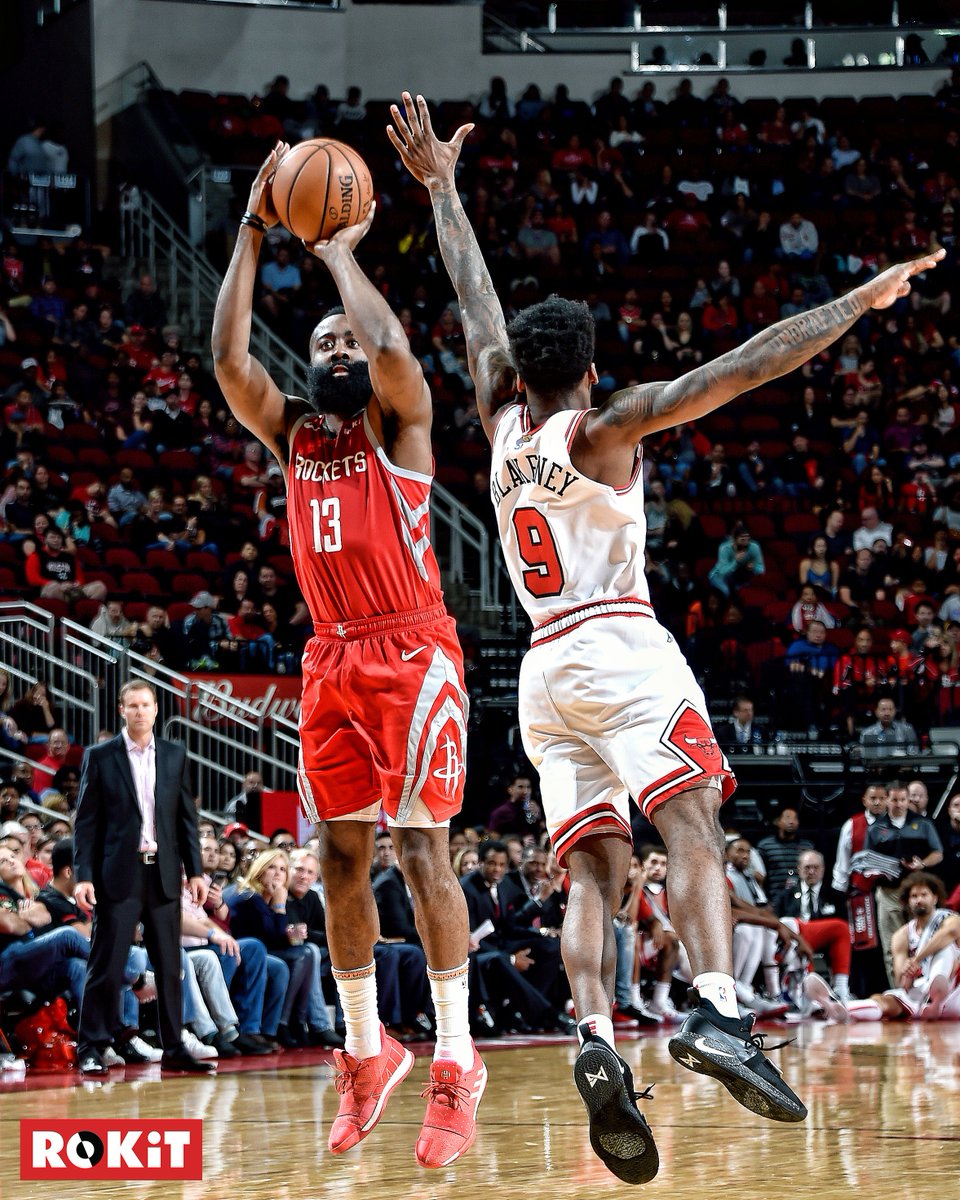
x=256, y=971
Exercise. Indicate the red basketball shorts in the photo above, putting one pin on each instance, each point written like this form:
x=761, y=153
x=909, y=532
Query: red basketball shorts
x=384, y=718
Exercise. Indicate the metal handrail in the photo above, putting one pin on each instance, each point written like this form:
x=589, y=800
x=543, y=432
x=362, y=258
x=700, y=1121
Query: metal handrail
x=149, y=234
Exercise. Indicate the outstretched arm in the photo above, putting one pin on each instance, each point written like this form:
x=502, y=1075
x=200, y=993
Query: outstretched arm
x=395, y=372
x=634, y=412
x=432, y=162
x=253, y=397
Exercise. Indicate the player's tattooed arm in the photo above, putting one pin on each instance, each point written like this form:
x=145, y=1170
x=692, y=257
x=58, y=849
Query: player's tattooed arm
x=633, y=412
x=433, y=163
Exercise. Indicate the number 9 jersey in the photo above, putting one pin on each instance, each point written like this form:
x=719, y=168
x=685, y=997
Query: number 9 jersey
x=567, y=540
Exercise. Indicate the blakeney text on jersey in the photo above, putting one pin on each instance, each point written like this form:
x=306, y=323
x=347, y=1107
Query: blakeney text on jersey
x=539, y=470
x=313, y=470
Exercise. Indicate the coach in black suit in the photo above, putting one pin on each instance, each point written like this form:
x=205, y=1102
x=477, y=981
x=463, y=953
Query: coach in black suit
x=812, y=899
x=136, y=823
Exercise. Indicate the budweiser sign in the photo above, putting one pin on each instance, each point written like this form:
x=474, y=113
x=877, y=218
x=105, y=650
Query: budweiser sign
x=239, y=697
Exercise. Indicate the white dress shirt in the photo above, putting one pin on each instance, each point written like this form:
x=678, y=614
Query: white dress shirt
x=143, y=768
x=808, y=901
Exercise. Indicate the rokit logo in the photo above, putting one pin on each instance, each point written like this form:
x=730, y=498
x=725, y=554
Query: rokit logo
x=111, y=1149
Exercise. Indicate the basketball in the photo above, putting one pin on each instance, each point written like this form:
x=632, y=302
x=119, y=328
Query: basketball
x=321, y=186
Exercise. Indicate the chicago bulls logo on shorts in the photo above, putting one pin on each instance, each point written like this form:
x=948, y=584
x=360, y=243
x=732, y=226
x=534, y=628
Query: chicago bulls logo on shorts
x=691, y=737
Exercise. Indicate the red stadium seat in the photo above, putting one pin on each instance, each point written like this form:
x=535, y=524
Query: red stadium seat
x=123, y=559
x=142, y=583
x=86, y=610
x=162, y=560
x=202, y=560
x=188, y=583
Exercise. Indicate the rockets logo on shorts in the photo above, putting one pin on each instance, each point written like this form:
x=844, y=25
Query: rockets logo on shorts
x=451, y=766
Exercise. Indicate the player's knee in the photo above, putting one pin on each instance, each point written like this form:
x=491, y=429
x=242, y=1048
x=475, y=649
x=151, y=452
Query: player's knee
x=421, y=860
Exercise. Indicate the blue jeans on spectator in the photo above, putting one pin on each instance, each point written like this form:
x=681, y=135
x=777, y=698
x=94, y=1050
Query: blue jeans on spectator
x=47, y=964
x=137, y=964
x=296, y=1001
x=249, y=986
x=204, y=981
x=625, y=937
x=317, y=1016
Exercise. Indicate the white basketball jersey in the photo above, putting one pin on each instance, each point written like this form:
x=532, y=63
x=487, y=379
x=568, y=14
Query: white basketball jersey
x=567, y=539
x=917, y=939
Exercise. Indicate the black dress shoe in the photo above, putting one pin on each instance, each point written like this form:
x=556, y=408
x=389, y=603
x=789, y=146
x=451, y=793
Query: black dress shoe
x=180, y=1060
x=287, y=1038
x=250, y=1043
x=223, y=1046
x=91, y=1062
x=264, y=1039
x=327, y=1038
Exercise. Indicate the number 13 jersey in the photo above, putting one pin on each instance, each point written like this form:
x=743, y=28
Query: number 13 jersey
x=359, y=525
x=568, y=540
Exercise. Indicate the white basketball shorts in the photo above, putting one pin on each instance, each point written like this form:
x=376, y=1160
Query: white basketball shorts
x=610, y=709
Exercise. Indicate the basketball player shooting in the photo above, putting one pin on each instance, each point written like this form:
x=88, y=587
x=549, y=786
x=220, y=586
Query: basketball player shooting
x=608, y=706
x=384, y=709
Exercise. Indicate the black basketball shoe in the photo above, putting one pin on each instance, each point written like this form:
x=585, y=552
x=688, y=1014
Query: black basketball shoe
x=619, y=1135
x=727, y=1049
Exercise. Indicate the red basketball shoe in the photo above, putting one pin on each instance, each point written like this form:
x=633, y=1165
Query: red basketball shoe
x=365, y=1085
x=450, y=1123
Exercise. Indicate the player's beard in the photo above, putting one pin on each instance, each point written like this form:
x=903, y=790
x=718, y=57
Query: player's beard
x=920, y=910
x=340, y=396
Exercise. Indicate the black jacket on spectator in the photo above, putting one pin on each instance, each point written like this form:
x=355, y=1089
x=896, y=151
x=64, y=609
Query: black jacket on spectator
x=395, y=907
x=828, y=903
x=308, y=910
x=524, y=915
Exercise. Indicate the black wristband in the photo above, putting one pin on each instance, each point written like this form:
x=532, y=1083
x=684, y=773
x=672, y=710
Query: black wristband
x=253, y=221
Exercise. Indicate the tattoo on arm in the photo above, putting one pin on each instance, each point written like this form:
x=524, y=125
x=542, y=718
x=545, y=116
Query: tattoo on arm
x=767, y=355
x=484, y=326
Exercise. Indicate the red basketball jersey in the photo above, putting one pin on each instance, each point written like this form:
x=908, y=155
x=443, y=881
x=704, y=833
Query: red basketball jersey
x=359, y=526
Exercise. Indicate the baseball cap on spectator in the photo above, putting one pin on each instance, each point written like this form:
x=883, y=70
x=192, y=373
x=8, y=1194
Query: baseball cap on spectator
x=203, y=600
x=899, y=635
x=136, y=329
x=236, y=827
x=28, y=363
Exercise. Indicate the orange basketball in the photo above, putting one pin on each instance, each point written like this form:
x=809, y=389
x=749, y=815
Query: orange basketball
x=321, y=186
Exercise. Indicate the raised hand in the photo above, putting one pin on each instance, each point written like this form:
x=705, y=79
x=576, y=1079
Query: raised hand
x=894, y=283
x=344, y=239
x=422, y=152
x=260, y=201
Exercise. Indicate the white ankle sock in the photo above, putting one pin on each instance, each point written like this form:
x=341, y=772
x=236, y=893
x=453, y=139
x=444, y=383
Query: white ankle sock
x=771, y=981
x=865, y=1010
x=719, y=989
x=600, y=1025
x=841, y=985
x=661, y=994
x=358, y=998
x=450, y=1000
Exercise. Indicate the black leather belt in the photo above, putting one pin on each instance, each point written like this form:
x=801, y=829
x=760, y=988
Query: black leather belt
x=147, y=857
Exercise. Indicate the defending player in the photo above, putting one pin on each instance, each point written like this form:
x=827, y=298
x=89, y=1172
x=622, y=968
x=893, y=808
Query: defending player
x=384, y=709
x=608, y=706
x=926, y=964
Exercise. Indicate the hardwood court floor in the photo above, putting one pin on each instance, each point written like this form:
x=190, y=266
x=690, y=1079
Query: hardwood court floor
x=884, y=1124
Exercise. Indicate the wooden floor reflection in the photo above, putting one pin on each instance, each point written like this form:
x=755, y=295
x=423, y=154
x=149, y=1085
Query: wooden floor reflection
x=884, y=1123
